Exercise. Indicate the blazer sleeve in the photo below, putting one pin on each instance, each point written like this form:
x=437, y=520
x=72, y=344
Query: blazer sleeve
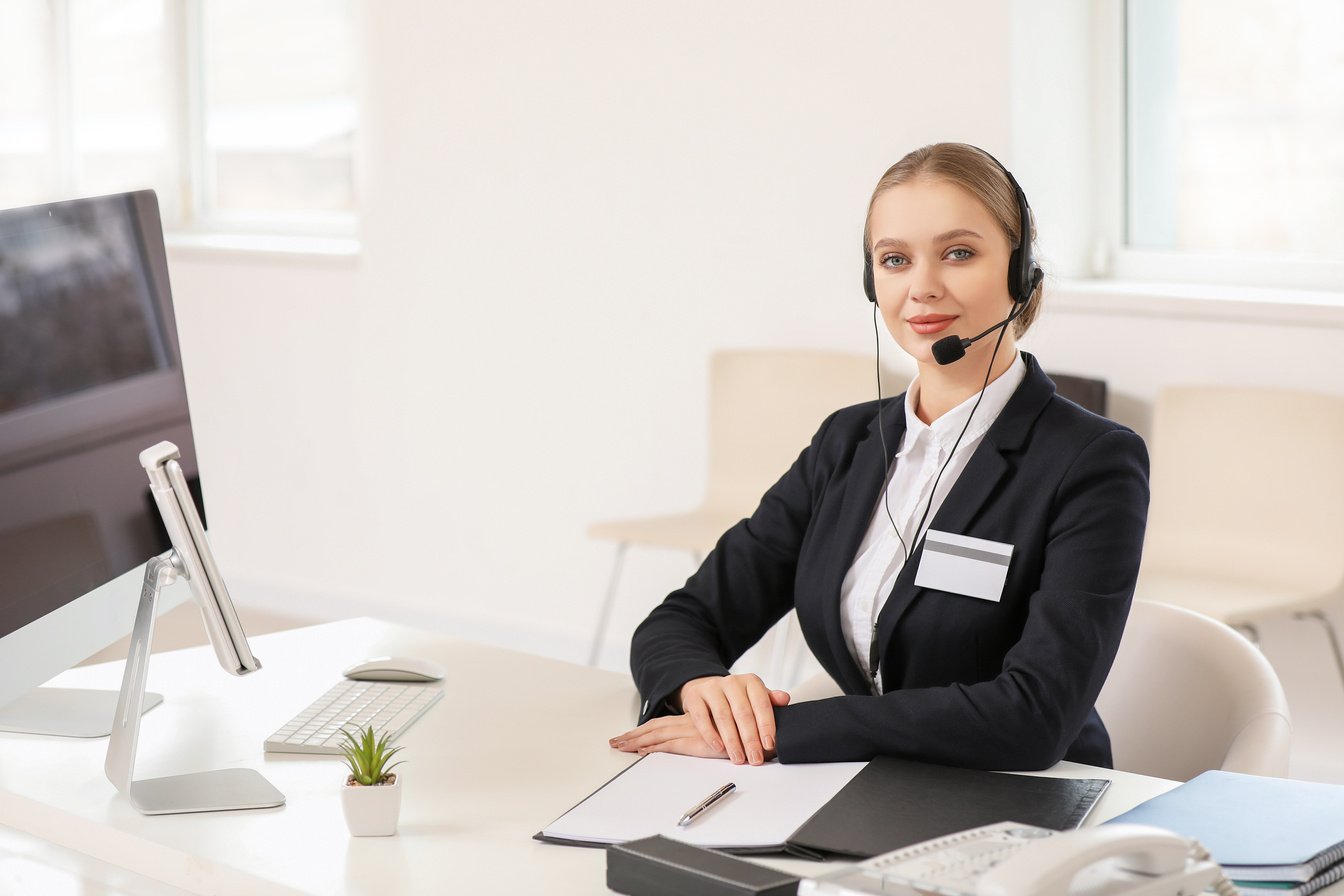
x=1030, y=713
x=743, y=588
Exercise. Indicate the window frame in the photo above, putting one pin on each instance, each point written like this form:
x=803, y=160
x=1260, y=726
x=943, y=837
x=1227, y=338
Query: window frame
x=187, y=216
x=1115, y=258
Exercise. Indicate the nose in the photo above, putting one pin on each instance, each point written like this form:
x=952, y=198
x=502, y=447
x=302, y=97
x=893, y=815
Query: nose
x=925, y=284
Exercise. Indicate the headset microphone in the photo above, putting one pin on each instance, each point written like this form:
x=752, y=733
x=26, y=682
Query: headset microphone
x=953, y=348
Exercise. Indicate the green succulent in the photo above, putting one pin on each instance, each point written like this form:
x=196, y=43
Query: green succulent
x=367, y=754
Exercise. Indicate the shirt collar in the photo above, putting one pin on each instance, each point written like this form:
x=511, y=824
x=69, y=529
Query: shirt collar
x=947, y=428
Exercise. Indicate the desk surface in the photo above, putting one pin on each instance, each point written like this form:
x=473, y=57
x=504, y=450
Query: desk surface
x=516, y=740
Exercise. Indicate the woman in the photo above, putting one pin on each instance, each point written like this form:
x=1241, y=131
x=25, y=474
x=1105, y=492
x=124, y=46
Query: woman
x=891, y=531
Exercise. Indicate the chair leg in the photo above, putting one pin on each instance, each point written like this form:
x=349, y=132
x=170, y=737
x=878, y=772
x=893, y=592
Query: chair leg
x=1249, y=631
x=604, y=615
x=1324, y=620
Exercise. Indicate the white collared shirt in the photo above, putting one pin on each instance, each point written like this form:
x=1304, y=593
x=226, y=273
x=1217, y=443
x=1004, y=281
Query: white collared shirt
x=923, y=451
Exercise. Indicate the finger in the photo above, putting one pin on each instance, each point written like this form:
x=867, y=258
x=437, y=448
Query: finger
x=686, y=746
x=764, y=711
x=780, y=698
x=741, y=696
x=682, y=728
x=722, y=712
x=620, y=740
x=695, y=707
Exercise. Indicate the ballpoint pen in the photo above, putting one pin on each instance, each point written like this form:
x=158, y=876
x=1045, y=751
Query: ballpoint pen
x=705, y=803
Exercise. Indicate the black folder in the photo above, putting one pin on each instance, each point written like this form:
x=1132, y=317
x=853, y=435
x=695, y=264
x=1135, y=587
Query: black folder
x=894, y=803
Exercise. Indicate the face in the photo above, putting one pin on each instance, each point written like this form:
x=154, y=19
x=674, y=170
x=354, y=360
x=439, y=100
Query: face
x=940, y=265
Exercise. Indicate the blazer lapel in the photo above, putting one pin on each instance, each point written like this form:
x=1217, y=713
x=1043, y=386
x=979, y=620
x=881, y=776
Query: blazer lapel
x=974, y=486
x=867, y=474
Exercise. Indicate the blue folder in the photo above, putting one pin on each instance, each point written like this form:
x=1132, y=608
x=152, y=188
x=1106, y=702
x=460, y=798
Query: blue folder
x=1257, y=828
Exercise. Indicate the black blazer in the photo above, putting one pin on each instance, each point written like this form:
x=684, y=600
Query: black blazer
x=969, y=682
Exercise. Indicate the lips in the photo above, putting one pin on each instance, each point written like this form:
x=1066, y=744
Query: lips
x=926, y=324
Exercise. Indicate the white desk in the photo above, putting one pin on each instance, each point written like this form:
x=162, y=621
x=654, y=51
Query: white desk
x=516, y=741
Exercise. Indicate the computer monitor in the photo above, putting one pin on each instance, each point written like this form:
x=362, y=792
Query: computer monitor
x=90, y=376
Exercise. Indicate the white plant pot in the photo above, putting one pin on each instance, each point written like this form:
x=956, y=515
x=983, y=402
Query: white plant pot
x=372, y=811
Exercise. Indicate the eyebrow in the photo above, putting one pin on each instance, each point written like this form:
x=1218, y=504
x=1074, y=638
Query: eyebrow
x=958, y=233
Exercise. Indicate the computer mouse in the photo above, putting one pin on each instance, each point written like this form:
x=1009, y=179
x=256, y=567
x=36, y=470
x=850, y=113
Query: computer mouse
x=395, y=668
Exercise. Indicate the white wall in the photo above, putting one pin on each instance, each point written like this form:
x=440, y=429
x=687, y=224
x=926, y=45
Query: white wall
x=566, y=207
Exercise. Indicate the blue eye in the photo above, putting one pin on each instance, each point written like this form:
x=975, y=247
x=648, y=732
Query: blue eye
x=893, y=260
x=960, y=254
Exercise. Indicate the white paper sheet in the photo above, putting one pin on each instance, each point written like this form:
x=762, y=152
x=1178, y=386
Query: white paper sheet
x=770, y=803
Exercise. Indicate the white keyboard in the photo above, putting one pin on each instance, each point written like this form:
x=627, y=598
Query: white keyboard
x=390, y=707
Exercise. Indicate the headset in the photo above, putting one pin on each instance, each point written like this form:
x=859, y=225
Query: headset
x=1024, y=274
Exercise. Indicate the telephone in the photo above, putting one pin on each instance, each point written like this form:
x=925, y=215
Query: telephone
x=1010, y=859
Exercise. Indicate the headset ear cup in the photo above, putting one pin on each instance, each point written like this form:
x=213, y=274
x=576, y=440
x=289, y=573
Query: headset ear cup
x=1015, y=277
x=869, y=288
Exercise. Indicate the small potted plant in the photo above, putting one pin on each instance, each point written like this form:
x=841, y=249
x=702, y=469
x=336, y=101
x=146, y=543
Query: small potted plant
x=371, y=798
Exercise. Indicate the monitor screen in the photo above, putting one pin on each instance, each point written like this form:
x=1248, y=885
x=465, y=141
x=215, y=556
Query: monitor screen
x=76, y=301
x=89, y=377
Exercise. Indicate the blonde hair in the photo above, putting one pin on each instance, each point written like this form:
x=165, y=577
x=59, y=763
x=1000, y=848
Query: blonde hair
x=976, y=172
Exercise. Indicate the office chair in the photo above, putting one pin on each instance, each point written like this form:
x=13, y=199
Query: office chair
x=1187, y=694
x=764, y=407
x=1247, y=513
x=1085, y=391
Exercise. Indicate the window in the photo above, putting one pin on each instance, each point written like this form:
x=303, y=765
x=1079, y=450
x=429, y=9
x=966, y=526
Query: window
x=241, y=115
x=28, y=118
x=279, y=110
x=1234, y=113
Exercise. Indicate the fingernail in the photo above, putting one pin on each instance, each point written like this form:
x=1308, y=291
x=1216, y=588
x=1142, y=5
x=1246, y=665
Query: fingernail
x=716, y=746
x=769, y=743
x=756, y=757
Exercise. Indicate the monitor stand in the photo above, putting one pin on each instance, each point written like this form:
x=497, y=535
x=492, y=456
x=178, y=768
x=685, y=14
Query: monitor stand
x=65, y=712
x=213, y=791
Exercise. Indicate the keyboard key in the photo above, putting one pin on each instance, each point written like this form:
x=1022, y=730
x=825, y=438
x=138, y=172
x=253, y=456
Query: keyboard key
x=390, y=707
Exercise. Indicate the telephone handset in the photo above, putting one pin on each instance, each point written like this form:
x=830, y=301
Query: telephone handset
x=1010, y=859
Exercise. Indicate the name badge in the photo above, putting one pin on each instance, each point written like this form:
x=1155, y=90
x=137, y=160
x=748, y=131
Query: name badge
x=964, y=565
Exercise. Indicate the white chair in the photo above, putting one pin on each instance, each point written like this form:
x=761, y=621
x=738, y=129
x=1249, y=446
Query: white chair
x=1187, y=694
x=764, y=407
x=1247, y=514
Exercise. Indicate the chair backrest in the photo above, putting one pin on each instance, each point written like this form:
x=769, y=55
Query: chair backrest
x=766, y=404
x=1086, y=391
x=1188, y=694
x=1248, y=484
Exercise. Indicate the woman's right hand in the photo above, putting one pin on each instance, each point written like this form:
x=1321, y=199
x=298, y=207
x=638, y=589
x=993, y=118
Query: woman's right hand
x=734, y=714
